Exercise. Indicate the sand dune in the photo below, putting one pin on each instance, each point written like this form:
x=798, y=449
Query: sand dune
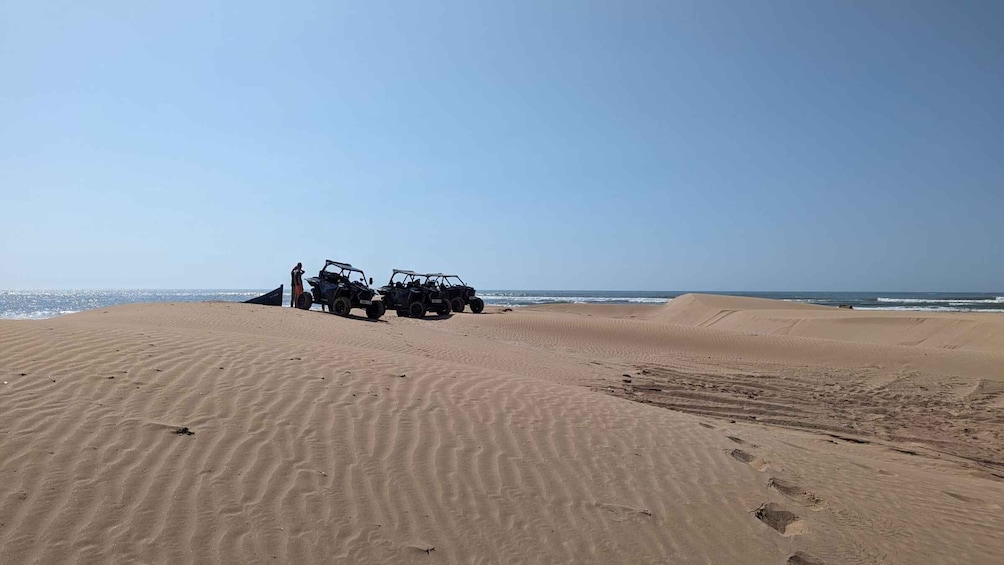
x=759, y=316
x=499, y=438
x=976, y=331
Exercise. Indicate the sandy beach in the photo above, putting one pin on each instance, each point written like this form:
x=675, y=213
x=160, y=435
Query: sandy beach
x=708, y=430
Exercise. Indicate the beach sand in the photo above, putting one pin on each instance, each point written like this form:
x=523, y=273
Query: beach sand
x=709, y=430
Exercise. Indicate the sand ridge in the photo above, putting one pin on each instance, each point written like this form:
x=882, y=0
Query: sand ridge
x=944, y=330
x=489, y=438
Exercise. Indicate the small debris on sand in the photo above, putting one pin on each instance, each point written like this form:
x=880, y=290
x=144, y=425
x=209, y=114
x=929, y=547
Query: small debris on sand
x=184, y=432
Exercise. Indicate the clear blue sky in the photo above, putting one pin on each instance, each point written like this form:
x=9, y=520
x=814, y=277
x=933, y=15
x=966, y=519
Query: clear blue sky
x=586, y=145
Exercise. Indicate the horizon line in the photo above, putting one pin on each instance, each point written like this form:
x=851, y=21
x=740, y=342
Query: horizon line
x=685, y=291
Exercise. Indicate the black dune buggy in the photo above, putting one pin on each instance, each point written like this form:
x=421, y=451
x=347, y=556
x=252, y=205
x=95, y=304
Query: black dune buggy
x=458, y=293
x=333, y=287
x=409, y=295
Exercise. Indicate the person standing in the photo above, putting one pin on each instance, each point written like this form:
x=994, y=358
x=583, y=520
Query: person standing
x=296, y=282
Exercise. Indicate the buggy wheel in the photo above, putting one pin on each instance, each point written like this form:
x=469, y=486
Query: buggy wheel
x=341, y=306
x=457, y=304
x=416, y=310
x=444, y=307
x=477, y=305
x=375, y=310
x=304, y=301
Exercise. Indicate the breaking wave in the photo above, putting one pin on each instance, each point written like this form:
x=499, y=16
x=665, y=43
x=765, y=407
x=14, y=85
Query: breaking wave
x=927, y=309
x=958, y=301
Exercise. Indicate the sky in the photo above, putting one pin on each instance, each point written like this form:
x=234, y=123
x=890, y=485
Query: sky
x=705, y=145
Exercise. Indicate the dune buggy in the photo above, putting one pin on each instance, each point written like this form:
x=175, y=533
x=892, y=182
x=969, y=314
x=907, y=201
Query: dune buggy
x=335, y=288
x=409, y=295
x=458, y=293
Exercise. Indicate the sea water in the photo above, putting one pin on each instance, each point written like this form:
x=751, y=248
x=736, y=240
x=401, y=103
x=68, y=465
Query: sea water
x=39, y=304
x=918, y=301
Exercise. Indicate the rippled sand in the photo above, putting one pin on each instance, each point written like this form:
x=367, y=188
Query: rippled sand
x=709, y=430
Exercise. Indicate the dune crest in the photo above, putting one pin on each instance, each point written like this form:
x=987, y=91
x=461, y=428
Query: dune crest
x=940, y=330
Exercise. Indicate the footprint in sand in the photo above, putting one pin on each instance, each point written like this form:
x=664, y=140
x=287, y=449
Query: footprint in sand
x=879, y=471
x=622, y=513
x=749, y=459
x=741, y=441
x=971, y=500
x=796, y=493
x=784, y=522
x=800, y=558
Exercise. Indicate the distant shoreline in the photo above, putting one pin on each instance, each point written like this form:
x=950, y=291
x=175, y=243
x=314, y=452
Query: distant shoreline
x=43, y=304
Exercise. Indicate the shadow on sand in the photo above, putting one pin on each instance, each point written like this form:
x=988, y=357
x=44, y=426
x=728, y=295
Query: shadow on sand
x=382, y=319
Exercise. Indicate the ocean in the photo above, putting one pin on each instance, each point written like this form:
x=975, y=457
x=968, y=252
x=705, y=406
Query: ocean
x=40, y=304
x=918, y=301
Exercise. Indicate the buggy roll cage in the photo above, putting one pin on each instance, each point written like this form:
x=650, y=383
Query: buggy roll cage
x=445, y=279
x=408, y=276
x=343, y=268
x=411, y=277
